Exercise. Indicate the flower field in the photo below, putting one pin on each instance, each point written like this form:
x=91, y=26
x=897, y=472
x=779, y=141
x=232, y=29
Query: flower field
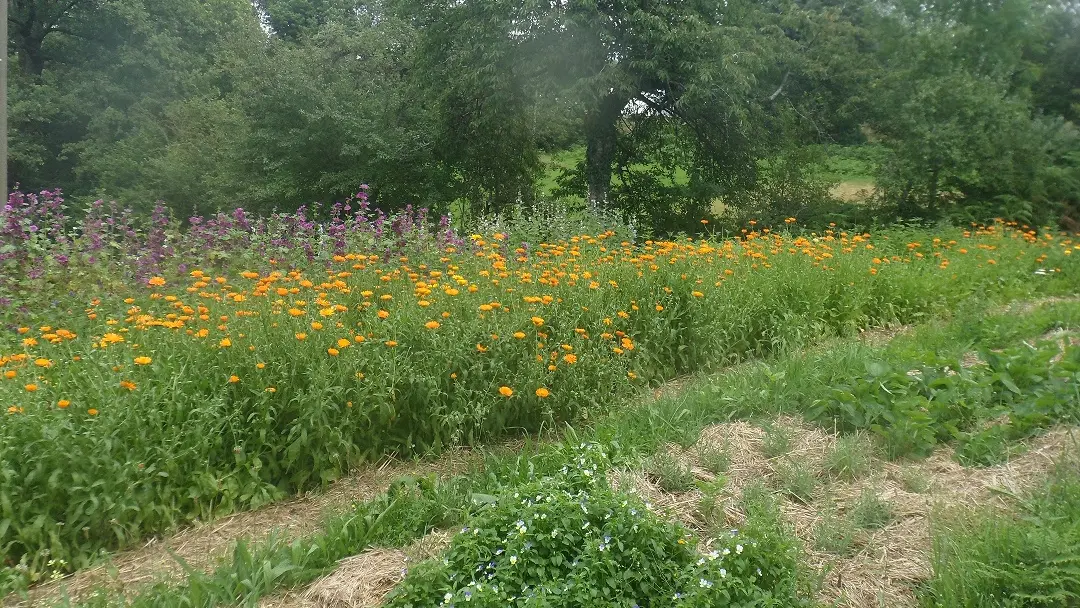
x=214, y=383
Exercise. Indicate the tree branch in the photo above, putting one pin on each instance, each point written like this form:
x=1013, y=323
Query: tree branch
x=780, y=88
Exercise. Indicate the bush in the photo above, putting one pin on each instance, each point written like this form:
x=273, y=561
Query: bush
x=569, y=540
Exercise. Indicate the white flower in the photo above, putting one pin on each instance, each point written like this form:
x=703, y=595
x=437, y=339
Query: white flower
x=513, y=559
x=704, y=584
x=738, y=549
x=723, y=573
x=446, y=598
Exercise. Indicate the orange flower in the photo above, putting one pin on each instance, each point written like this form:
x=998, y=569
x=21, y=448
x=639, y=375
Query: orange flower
x=128, y=385
x=271, y=389
x=14, y=410
x=571, y=358
x=260, y=365
x=537, y=321
x=23, y=330
x=225, y=343
x=9, y=374
x=43, y=363
x=142, y=360
x=343, y=342
x=31, y=388
x=63, y=403
x=390, y=343
x=519, y=335
x=156, y=281
x=301, y=336
x=486, y=308
x=234, y=379
x=383, y=314
x=333, y=352
x=697, y=294
x=92, y=412
x=316, y=325
x=296, y=312
x=543, y=393
x=506, y=391
x=432, y=325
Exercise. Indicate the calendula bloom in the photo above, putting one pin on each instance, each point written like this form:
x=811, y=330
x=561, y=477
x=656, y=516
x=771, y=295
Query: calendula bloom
x=506, y=391
x=333, y=352
x=31, y=387
x=301, y=336
x=260, y=365
x=697, y=294
x=383, y=314
x=143, y=360
x=390, y=343
x=543, y=393
x=9, y=374
x=432, y=325
x=571, y=358
x=537, y=321
x=14, y=410
x=128, y=385
x=296, y=312
x=156, y=281
x=92, y=411
x=271, y=389
x=519, y=335
x=225, y=343
x=343, y=342
x=29, y=341
x=63, y=403
x=316, y=325
x=43, y=363
x=234, y=379
x=23, y=330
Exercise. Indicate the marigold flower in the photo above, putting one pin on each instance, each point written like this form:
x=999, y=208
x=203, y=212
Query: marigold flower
x=383, y=314
x=271, y=389
x=23, y=330
x=333, y=352
x=143, y=360
x=301, y=336
x=543, y=392
x=537, y=321
x=63, y=403
x=156, y=281
x=43, y=363
x=92, y=411
x=390, y=343
x=225, y=343
x=506, y=391
x=571, y=358
x=260, y=365
x=697, y=294
x=432, y=325
x=14, y=410
x=343, y=342
x=486, y=307
x=296, y=312
x=519, y=335
x=31, y=388
x=129, y=385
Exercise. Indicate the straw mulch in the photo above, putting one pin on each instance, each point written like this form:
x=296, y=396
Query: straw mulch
x=204, y=545
x=888, y=562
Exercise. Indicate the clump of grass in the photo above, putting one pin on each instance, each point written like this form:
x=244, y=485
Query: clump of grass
x=835, y=534
x=714, y=458
x=1031, y=558
x=669, y=473
x=778, y=440
x=796, y=481
x=871, y=511
x=914, y=480
x=710, y=507
x=850, y=458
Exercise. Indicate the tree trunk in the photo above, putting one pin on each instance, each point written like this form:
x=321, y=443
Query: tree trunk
x=601, y=135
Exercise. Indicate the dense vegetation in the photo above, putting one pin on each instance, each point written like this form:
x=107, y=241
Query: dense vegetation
x=676, y=106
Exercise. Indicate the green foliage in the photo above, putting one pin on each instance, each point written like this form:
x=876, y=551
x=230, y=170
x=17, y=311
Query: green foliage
x=714, y=458
x=670, y=473
x=850, y=459
x=871, y=510
x=835, y=534
x=777, y=440
x=569, y=540
x=797, y=481
x=988, y=558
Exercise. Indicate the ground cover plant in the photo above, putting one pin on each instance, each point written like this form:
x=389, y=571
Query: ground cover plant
x=199, y=390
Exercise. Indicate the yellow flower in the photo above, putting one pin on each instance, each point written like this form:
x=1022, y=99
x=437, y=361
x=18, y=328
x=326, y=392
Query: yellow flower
x=271, y=389
x=432, y=325
x=43, y=363
x=234, y=379
x=63, y=403
x=156, y=281
x=128, y=385
x=316, y=325
x=659, y=308
x=9, y=374
x=383, y=314
x=296, y=312
x=571, y=358
x=537, y=321
x=31, y=388
x=543, y=392
x=142, y=360
x=301, y=336
x=333, y=352
x=697, y=294
x=519, y=335
x=225, y=343
x=14, y=410
x=260, y=365
x=486, y=307
x=390, y=343
x=92, y=412
x=343, y=342
x=506, y=391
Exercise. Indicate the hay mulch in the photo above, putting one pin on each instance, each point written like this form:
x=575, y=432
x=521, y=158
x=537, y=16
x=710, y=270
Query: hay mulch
x=364, y=580
x=887, y=563
x=204, y=545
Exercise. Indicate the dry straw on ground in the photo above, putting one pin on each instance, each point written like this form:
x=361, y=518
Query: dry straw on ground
x=203, y=546
x=888, y=562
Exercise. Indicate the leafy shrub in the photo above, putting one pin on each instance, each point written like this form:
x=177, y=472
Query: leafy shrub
x=569, y=540
x=670, y=473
